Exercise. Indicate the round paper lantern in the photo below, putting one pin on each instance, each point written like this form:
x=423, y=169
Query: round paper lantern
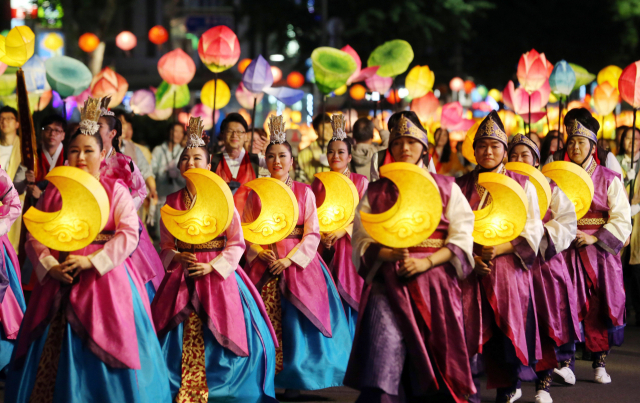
x=456, y=84
x=53, y=42
x=496, y=94
x=219, y=48
x=295, y=79
x=245, y=97
x=629, y=85
x=172, y=96
x=562, y=78
x=610, y=74
x=158, y=35
x=469, y=86
x=177, y=67
x=204, y=112
x=393, y=97
x=108, y=82
x=482, y=91
x=126, y=41
x=18, y=46
x=296, y=116
x=393, y=57
x=332, y=68
x=425, y=107
x=88, y=42
x=243, y=64
x=67, y=76
x=161, y=114
x=143, y=102
x=222, y=94
x=419, y=81
x=277, y=74
x=357, y=92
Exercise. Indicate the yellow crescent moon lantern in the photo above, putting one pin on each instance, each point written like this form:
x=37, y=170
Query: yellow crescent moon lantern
x=278, y=215
x=543, y=190
x=208, y=217
x=416, y=214
x=574, y=181
x=467, y=145
x=504, y=218
x=340, y=202
x=84, y=212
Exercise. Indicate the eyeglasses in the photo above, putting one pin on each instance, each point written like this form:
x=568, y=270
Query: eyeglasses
x=7, y=118
x=50, y=129
x=236, y=133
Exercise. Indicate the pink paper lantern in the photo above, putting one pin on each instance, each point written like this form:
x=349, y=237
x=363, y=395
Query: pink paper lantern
x=360, y=74
x=126, y=41
x=533, y=70
x=161, y=114
x=3, y=67
x=108, y=82
x=629, y=85
x=517, y=99
x=452, y=118
x=245, y=97
x=219, y=48
x=379, y=84
x=425, y=107
x=143, y=102
x=177, y=67
x=202, y=111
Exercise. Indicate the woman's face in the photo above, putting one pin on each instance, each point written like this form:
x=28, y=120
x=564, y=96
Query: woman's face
x=578, y=149
x=554, y=145
x=338, y=156
x=279, y=161
x=627, y=142
x=177, y=134
x=194, y=158
x=407, y=149
x=522, y=153
x=442, y=138
x=84, y=153
x=489, y=153
x=105, y=133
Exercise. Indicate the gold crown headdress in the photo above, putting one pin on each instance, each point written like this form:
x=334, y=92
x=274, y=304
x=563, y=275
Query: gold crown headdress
x=577, y=129
x=89, y=116
x=194, y=130
x=338, y=126
x=104, y=108
x=490, y=129
x=276, y=130
x=406, y=128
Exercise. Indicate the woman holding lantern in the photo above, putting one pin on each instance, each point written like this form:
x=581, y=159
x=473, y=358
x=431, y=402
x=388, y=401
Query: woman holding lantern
x=556, y=303
x=345, y=275
x=213, y=328
x=593, y=258
x=302, y=301
x=94, y=340
x=410, y=336
x=499, y=310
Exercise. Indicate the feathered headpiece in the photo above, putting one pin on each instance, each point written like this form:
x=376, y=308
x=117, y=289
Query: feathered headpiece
x=338, y=125
x=276, y=129
x=104, y=107
x=194, y=130
x=89, y=116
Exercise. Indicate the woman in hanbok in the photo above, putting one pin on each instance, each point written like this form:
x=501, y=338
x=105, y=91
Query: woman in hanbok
x=593, y=258
x=87, y=334
x=556, y=303
x=12, y=303
x=300, y=296
x=410, y=338
x=213, y=328
x=499, y=308
x=344, y=273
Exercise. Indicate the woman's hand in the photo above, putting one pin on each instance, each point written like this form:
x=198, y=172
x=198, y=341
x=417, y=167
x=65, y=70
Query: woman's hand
x=584, y=239
x=412, y=266
x=60, y=273
x=199, y=269
x=482, y=268
x=267, y=256
x=489, y=253
x=330, y=238
x=77, y=263
x=277, y=266
x=393, y=255
x=185, y=258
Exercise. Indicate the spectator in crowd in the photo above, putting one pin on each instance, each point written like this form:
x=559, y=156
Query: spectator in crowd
x=313, y=159
x=552, y=143
x=165, y=159
x=365, y=148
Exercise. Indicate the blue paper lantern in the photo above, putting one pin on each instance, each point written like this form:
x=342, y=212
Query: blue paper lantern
x=286, y=95
x=562, y=78
x=35, y=75
x=257, y=77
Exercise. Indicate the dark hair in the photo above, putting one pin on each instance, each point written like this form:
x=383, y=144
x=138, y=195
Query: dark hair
x=346, y=141
x=363, y=130
x=95, y=136
x=286, y=143
x=204, y=148
x=446, y=150
x=319, y=120
x=115, y=124
x=119, y=113
x=233, y=117
x=9, y=109
x=49, y=119
x=583, y=116
x=621, y=149
x=411, y=115
x=545, y=148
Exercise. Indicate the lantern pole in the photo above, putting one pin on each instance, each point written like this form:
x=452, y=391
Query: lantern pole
x=253, y=124
x=529, y=114
x=546, y=113
x=175, y=118
x=213, y=114
x=633, y=142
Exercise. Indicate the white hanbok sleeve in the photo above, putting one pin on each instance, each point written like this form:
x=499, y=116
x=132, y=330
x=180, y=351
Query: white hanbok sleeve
x=526, y=245
x=561, y=228
x=613, y=235
x=460, y=233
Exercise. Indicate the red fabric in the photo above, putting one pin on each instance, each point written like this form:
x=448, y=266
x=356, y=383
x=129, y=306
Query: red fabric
x=245, y=174
x=44, y=167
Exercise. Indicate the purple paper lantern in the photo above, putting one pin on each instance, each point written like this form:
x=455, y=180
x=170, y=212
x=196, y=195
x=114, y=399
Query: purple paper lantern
x=257, y=77
x=286, y=95
x=143, y=102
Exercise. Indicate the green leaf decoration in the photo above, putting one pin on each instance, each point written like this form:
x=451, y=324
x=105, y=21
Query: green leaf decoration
x=331, y=68
x=393, y=57
x=583, y=77
x=165, y=96
x=67, y=76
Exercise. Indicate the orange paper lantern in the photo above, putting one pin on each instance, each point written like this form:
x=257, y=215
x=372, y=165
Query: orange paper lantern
x=88, y=42
x=605, y=98
x=295, y=79
x=177, y=67
x=469, y=86
x=108, y=82
x=393, y=97
x=358, y=92
x=126, y=41
x=158, y=35
x=243, y=64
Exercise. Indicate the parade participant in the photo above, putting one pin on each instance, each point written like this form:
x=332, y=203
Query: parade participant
x=235, y=164
x=118, y=166
x=365, y=149
x=498, y=302
x=551, y=143
x=94, y=340
x=592, y=259
x=397, y=350
x=445, y=159
x=556, y=303
x=302, y=301
x=313, y=159
x=210, y=319
x=347, y=281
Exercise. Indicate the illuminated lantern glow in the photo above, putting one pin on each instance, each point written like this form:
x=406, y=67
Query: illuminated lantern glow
x=8, y=83
x=610, y=74
x=533, y=70
x=88, y=42
x=287, y=96
x=379, y=84
x=605, y=98
x=108, y=82
x=340, y=91
x=496, y=94
x=469, y=86
x=629, y=85
x=172, y=96
x=258, y=75
x=341, y=199
x=177, y=67
x=452, y=119
x=357, y=92
x=295, y=79
x=35, y=75
x=143, y=102
x=201, y=111
x=53, y=41
x=425, y=107
x=219, y=48
x=517, y=99
x=161, y=114
x=393, y=57
x=543, y=190
x=222, y=94
x=332, y=68
x=126, y=41
x=360, y=74
x=277, y=74
x=18, y=46
x=158, y=35
x=574, y=181
x=562, y=78
x=393, y=97
x=67, y=76
x=419, y=81
x=246, y=115
x=583, y=77
x=245, y=97
x=482, y=91
x=3, y=67
x=243, y=64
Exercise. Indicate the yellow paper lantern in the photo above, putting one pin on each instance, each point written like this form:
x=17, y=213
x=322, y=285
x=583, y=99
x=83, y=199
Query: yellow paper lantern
x=467, y=145
x=416, y=214
x=341, y=90
x=278, y=215
x=610, y=74
x=543, y=190
x=503, y=220
x=340, y=202
x=53, y=41
x=574, y=181
x=209, y=216
x=495, y=94
x=222, y=94
x=358, y=92
x=84, y=212
x=419, y=81
x=18, y=46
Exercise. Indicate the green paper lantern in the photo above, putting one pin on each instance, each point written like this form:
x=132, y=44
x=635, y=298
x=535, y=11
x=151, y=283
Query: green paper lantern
x=168, y=94
x=583, y=77
x=8, y=84
x=393, y=57
x=67, y=76
x=332, y=68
